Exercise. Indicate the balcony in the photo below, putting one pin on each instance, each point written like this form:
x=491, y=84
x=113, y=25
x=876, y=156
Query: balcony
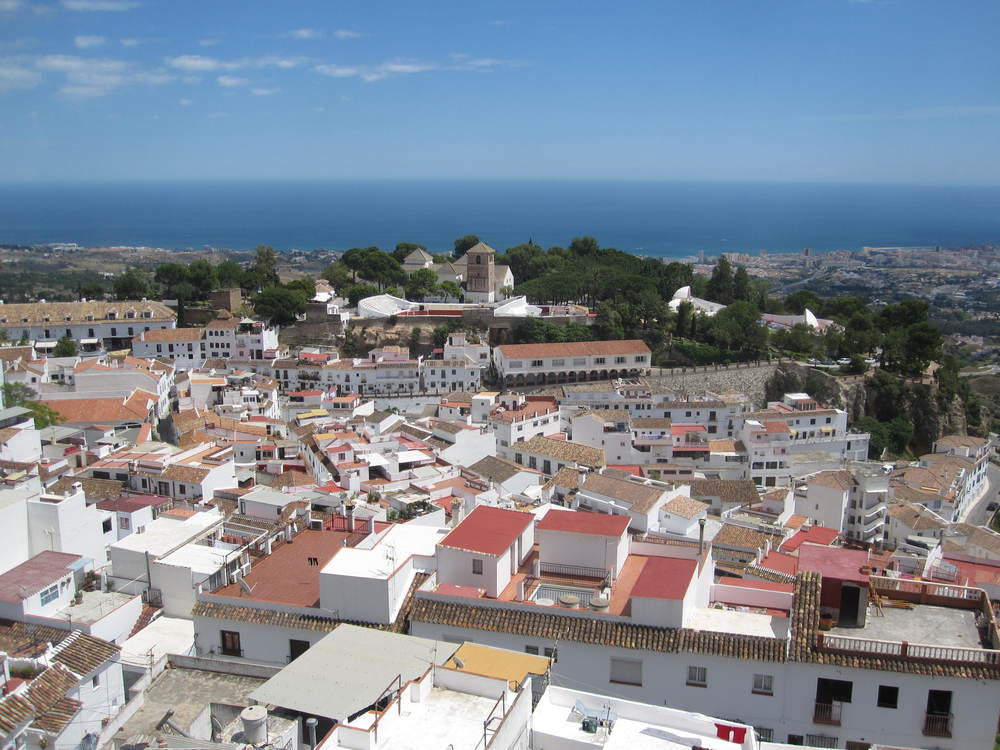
x=938, y=725
x=828, y=713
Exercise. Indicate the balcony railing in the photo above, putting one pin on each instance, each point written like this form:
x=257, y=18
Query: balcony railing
x=573, y=571
x=938, y=725
x=906, y=650
x=827, y=713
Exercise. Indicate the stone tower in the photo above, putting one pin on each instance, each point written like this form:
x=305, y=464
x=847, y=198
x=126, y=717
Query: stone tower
x=480, y=273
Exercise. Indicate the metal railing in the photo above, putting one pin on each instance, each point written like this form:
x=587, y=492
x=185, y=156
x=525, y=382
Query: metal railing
x=827, y=713
x=573, y=571
x=938, y=725
x=906, y=650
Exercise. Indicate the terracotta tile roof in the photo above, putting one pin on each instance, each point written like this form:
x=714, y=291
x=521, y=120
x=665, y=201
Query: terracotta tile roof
x=12, y=353
x=742, y=537
x=172, y=335
x=11, y=315
x=741, y=491
x=650, y=423
x=24, y=639
x=916, y=517
x=574, y=349
x=600, y=524
x=14, y=711
x=47, y=694
x=964, y=441
x=640, y=497
x=92, y=488
x=597, y=630
x=561, y=450
x=488, y=530
x=83, y=653
x=814, y=534
x=836, y=480
x=181, y=473
x=136, y=408
x=685, y=507
x=806, y=647
x=568, y=478
x=497, y=469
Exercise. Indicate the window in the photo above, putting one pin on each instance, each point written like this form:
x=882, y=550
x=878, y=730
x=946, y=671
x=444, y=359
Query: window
x=124, y=522
x=763, y=684
x=619, y=360
x=558, y=362
x=821, y=740
x=626, y=671
x=764, y=734
x=477, y=567
x=598, y=360
x=697, y=677
x=313, y=561
x=536, y=363
x=533, y=650
x=550, y=653
x=296, y=648
x=49, y=595
x=106, y=525
x=96, y=681
x=231, y=643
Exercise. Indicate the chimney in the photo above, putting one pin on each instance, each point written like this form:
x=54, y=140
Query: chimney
x=581, y=476
x=349, y=512
x=456, y=511
x=701, y=537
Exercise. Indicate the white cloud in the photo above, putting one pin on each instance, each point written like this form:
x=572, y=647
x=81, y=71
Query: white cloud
x=202, y=64
x=130, y=42
x=208, y=42
x=338, y=71
x=88, y=42
x=88, y=77
x=231, y=81
x=185, y=102
x=497, y=22
x=15, y=76
x=264, y=92
x=154, y=77
x=304, y=34
x=195, y=63
x=9, y=5
x=347, y=34
x=191, y=79
x=99, y=5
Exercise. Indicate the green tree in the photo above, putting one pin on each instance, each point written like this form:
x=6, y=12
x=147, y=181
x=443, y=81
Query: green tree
x=18, y=394
x=799, y=301
x=132, y=284
x=263, y=270
x=721, y=285
x=451, y=290
x=741, y=285
x=278, y=305
x=169, y=276
x=420, y=284
x=230, y=274
x=464, y=244
x=358, y=292
x=738, y=327
x=65, y=347
x=203, y=276
x=582, y=246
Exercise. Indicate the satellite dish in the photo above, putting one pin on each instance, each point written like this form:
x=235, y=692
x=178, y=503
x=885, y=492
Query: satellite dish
x=458, y=663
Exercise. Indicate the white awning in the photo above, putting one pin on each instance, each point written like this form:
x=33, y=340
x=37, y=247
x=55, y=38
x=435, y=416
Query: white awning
x=89, y=341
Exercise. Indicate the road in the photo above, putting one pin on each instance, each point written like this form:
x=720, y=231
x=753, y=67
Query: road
x=978, y=515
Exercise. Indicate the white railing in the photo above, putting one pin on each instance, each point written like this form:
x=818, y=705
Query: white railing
x=911, y=650
x=905, y=585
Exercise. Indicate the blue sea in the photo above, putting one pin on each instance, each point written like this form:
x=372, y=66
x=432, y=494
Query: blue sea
x=669, y=219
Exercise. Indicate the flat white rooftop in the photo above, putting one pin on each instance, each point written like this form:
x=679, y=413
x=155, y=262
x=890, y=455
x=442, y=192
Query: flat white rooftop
x=166, y=534
x=397, y=544
x=164, y=635
x=95, y=606
x=738, y=623
x=637, y=726
x=200, y=558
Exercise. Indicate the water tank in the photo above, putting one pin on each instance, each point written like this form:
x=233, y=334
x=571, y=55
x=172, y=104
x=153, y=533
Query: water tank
x=254, y=724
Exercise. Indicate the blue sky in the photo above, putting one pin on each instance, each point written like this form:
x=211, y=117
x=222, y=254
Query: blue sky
x=806, y=90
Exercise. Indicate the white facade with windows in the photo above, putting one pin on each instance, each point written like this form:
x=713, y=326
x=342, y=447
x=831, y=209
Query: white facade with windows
x=533, y=364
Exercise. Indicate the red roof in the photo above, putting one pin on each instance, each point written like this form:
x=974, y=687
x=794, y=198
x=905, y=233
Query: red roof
x=130, y=504
x=815, y=534
x=602, y=524
x=680, y=429
x=835, y=563
x=780, y=563
x=746, y=583
x=664, y=578
x=306, y=393
x=30, y=577
x=453, y=590
x=488, y=530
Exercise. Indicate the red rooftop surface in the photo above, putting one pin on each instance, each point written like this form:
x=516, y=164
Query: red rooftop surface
x=835, y=563
x=815, y=534
x=746, y=583
x=664, y=578
x=30, y=577
x=290, y=574
x=780, y=563
x=488, y=530
x=633, y=469
x=130, y=504
x=602, y=524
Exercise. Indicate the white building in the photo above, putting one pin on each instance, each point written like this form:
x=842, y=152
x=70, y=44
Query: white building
x=852, y=501
x=531, y=364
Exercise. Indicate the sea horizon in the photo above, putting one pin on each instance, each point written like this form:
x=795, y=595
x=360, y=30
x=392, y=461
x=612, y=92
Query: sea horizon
x=660, y=218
